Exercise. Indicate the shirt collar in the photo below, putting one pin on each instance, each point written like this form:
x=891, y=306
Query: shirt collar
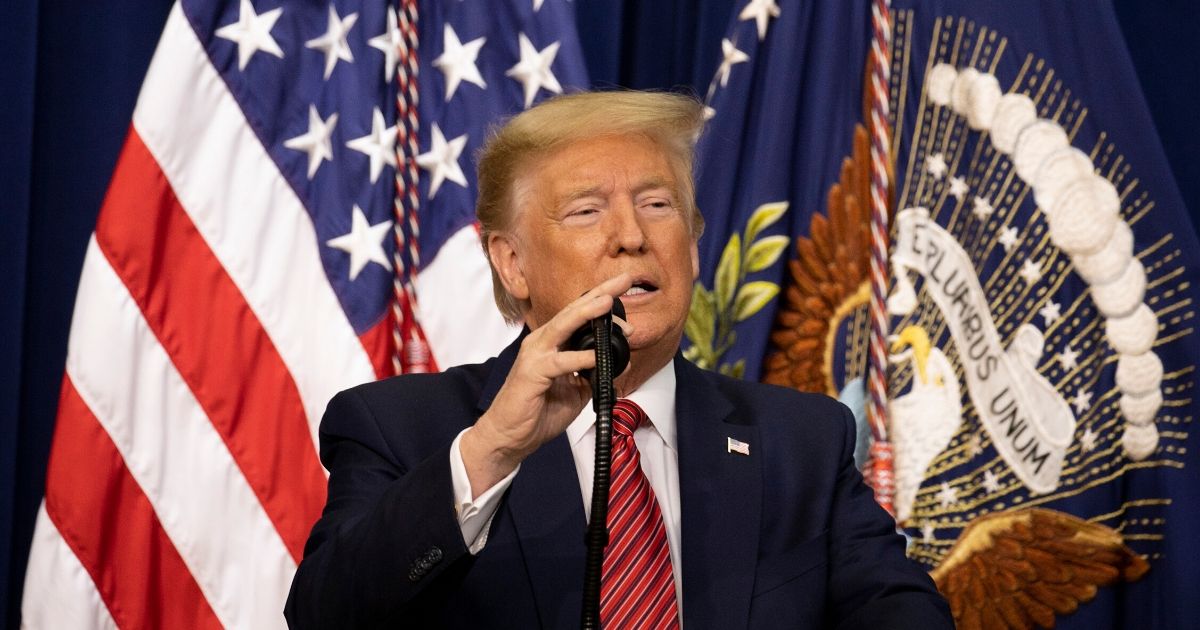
x=656, y=397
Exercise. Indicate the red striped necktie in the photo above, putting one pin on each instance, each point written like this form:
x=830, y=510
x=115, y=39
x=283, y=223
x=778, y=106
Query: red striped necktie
x=637, y=589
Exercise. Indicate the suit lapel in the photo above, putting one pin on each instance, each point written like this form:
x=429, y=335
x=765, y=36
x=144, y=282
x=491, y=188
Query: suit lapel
x=721, y=501
x=547, y=512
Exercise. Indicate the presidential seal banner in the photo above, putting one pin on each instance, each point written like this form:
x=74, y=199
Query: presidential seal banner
x=1036, y=209
x=1042, y=345
x=1038, y=257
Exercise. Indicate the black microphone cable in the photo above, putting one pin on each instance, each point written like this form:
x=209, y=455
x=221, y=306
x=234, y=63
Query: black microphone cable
x=612, y=355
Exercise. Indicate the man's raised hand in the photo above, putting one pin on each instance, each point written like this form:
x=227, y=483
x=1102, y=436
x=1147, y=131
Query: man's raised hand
x=542, y=394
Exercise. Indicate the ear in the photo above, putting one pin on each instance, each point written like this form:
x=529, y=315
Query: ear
x=695, y=254
x=504, y=256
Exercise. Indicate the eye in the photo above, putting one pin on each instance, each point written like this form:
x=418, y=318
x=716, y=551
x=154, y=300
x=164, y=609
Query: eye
x=582, y=215
x=656, y=204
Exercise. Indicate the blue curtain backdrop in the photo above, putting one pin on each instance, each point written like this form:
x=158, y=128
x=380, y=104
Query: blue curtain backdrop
x=70, y=73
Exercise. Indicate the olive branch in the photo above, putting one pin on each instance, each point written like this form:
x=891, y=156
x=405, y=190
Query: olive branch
x=713, y=314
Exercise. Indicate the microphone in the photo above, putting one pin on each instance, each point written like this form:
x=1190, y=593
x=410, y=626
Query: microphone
x=612, y=355
x=585, y=339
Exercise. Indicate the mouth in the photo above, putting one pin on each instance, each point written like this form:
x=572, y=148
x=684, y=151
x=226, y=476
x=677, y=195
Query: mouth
x=641, y=287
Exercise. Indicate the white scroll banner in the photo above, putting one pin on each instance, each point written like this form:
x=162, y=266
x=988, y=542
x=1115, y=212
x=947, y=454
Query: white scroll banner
x=1029, y=422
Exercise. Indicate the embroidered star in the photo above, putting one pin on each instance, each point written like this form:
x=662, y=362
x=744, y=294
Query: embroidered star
x=730, y=56
x=252, y=32
x=936, y=165
x=1051, y=312
x=1082, y=401
x=947, y=495
x=982, y=208
x=1087, y=441
x=537, y=4
x=975, y=446
x=442, y=160
x=333, y=42
x=389, y=44
x=1068, y=358
x=958, y=187
x=533, y=70
x=1009, y=239
x=1031, y=271
x=708, y=113
x=761, y=11
x=379, y=145
x=315, y=141
x=991, y=482
x=457, y=61
x=364, y=242
x=927, y=532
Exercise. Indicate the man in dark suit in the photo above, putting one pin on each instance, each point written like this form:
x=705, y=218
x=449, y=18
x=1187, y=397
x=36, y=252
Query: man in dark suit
x=460, y=499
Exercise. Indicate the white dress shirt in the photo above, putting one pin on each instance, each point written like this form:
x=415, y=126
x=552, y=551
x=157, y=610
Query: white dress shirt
x=659, y=456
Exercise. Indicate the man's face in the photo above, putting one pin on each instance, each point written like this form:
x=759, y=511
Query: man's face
x=597, y=208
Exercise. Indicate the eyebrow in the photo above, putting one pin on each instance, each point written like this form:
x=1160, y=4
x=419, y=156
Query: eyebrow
x=582, y=192
x=598, y=190
x=654, y=182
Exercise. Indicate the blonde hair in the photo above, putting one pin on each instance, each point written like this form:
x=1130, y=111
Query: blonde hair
x=672, y=121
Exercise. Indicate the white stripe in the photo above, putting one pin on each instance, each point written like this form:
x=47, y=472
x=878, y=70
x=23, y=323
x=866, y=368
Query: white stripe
x=248, y=215
x=59, y=592
x=455, y=305
x=174, y=454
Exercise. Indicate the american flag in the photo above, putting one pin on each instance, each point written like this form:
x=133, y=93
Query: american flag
x=245, y=267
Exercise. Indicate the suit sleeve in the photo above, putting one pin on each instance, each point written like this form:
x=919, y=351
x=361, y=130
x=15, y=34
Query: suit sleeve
x=873, y=585
x=388, y=534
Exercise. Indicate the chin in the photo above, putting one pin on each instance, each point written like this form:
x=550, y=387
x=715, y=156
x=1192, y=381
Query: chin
x=640, y=340
x=643, y=340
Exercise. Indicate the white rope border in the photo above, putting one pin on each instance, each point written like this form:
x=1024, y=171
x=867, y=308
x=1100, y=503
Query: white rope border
x=1082, y=209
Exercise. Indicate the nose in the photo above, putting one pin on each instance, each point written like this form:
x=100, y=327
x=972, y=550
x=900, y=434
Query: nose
x=627, y=234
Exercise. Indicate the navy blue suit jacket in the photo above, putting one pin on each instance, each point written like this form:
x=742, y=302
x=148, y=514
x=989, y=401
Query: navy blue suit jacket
x=787, y=537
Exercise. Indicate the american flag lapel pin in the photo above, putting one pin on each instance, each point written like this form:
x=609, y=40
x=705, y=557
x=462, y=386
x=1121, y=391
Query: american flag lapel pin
x=734, y=445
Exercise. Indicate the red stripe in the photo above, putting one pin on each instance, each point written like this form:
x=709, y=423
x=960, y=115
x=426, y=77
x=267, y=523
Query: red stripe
x=626, y=571
x=377, y=341
x=663, y=606
x=639, y=554
x=109, y=524
x=632, y=519
x=654, y=596
x=633, y=599
x=635, y=507
x=624, y=603
x=215, y=341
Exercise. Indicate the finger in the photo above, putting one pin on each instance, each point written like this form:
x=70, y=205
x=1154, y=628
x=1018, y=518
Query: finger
x=614, y=286
x=571, y=361
x=550, y=338
x=611, y=288
x=590, y=305
x=625, y=326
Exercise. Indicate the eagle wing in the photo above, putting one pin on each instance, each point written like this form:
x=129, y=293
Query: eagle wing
x=1019, y=569
x=829, y=275
x=828, y=279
